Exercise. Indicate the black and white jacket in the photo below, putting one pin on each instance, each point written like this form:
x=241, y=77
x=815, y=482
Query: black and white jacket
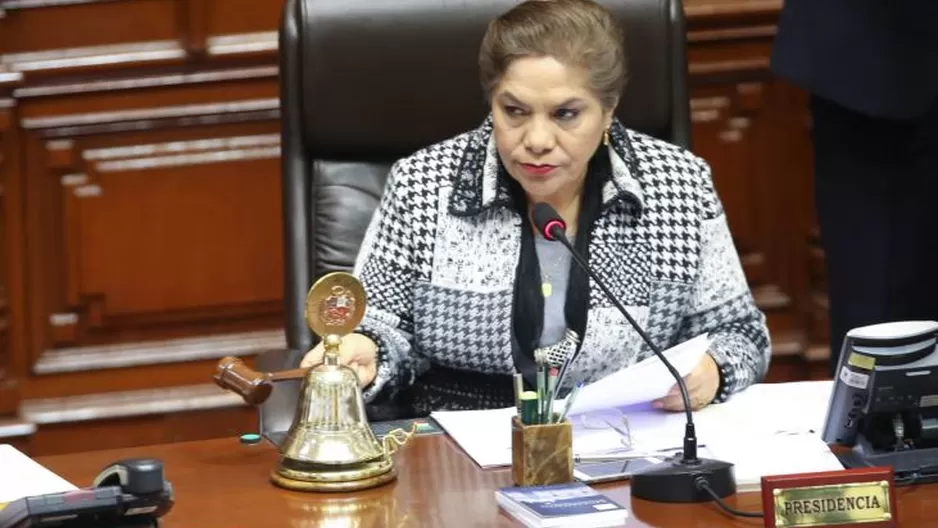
x=438, y=263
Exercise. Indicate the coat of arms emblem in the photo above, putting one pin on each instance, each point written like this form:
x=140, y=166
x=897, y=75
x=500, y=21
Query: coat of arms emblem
x=337, y=307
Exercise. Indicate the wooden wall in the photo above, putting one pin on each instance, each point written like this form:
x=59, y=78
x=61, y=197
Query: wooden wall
x=140, y=206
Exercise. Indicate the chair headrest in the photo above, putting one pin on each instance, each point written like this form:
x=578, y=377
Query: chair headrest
x=388, y=78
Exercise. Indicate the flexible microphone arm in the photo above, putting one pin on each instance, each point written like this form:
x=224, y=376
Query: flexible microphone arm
x=688, y=479
x=556, y=232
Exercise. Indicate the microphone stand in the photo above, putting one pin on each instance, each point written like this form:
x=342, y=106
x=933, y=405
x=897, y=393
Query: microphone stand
x=685, y=478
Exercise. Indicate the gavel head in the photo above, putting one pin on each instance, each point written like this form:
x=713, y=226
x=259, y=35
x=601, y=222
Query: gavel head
x=232, y=374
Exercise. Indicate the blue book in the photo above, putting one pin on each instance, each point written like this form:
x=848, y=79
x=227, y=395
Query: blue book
x=571, y=504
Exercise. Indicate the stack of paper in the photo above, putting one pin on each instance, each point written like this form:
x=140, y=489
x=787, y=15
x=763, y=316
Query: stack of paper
x=778, y=454
x=765, y=418
x=486, y=435
x=20, y=477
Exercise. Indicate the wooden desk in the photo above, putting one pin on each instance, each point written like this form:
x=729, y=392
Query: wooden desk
x=221, y=483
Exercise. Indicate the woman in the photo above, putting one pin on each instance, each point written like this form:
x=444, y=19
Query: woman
x=462, y=290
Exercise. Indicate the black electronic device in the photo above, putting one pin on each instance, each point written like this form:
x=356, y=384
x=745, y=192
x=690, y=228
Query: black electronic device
x=685, y=477
x=884, y=404
x=128, y=493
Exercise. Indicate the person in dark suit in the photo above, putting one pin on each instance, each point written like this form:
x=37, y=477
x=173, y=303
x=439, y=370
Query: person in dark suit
x=871, y=68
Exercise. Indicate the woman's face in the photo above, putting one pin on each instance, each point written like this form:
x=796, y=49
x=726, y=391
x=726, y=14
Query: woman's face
x=547, y=124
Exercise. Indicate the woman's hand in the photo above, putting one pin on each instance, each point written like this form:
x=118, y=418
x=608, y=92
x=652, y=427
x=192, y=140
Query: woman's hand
x=357, y=352
x=702, y=385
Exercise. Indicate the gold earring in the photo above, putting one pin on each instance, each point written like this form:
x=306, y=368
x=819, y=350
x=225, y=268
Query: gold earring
x=606, y=137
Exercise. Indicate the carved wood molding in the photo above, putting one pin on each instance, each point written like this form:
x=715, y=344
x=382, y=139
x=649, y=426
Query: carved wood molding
x=152, y=114
x=733, y=112
x=30, y=4
x=749, y=26
x=148, y=81
x=243, y=44
x=14, y=427
x=727, y=66
x=79, y=174
x=158, y=352
x=129, y=403
x=184, y=153
x=9, y=77
x=111, y=54
x=698, y=11
x=763, y=31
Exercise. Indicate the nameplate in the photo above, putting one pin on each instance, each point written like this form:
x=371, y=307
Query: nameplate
x=863, y=497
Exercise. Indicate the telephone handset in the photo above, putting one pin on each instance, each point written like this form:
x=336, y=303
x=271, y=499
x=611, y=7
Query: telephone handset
x=127, y=493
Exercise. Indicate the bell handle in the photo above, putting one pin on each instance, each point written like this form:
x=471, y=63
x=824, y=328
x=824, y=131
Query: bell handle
x=255, y=387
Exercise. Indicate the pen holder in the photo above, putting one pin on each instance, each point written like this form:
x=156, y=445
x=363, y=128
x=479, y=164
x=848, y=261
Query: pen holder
x=541, y=454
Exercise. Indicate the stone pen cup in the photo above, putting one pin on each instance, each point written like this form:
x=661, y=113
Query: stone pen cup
x=541, y=454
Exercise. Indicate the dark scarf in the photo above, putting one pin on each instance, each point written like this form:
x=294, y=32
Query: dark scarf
x=528, y=301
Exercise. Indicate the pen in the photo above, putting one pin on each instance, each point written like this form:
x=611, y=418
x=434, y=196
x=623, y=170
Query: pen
x=551, y=393
x=519, y=389
x=569, y=404
x=541, y=385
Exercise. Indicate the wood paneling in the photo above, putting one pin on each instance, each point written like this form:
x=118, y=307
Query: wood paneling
x=37, y=26
x=140, y=213
x=12, y=290
x=139, y=430
x=230, y=17
x=751, y=128
x=116, y=205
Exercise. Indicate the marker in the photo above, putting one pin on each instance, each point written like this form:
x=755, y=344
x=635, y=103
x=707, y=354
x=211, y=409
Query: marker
x=529, y=414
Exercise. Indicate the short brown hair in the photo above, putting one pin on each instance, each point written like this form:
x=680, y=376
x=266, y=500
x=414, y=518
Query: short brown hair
x=577, y=33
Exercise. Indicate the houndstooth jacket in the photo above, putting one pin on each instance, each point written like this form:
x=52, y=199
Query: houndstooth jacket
x=438, y=262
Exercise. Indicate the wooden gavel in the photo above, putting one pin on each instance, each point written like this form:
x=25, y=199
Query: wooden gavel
x=255, y=387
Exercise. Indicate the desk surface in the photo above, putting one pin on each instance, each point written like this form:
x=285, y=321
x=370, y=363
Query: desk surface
x=221, y=483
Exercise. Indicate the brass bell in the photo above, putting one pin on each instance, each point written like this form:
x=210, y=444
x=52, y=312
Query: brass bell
x=330, y=445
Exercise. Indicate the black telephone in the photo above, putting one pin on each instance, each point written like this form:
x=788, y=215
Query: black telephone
x=127, y=493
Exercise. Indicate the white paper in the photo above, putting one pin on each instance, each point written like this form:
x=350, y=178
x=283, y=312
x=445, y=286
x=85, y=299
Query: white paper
x=763, y=413
x=642, y=382
x=795, y=407
x=486, y=435
x=803, y=453
x=20, y=476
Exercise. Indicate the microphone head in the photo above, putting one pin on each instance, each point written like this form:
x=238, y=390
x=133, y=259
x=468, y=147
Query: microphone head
x=547, y=221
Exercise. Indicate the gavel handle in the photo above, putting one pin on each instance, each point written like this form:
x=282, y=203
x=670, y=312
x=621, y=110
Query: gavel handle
x=255, y=387
x=283, y=375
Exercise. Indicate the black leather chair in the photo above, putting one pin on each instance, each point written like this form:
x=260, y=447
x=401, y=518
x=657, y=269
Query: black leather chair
x=364, y=83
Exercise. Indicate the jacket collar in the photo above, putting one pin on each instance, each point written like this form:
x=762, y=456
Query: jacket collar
x=477, y=187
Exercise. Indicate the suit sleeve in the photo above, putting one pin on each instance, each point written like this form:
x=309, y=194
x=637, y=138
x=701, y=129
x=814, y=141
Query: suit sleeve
x=721, y=302
x=385, y=266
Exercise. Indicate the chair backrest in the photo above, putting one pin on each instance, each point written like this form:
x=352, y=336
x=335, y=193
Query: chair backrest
x=365, y=82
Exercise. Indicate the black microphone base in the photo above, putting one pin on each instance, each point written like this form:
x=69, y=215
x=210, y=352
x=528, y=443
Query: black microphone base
x=676, y=481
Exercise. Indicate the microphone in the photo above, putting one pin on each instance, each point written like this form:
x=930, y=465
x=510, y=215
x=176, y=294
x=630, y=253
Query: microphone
x=685, y=478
